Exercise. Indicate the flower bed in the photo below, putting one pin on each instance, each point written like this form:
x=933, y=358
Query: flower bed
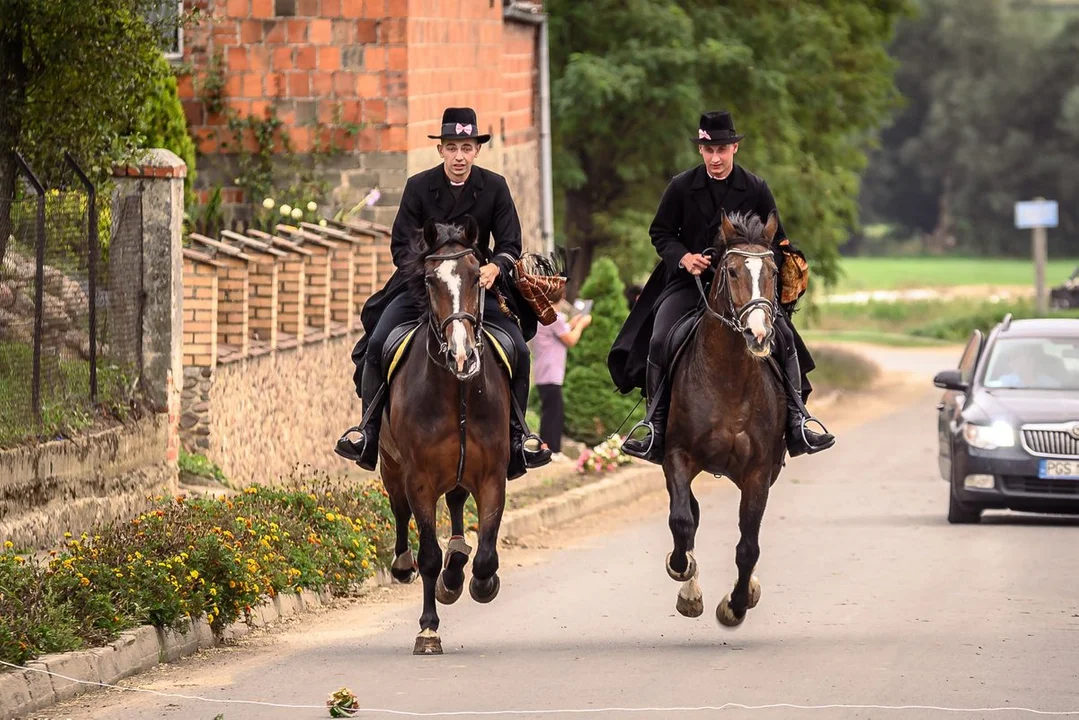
x=189, y=558
x=605, y=457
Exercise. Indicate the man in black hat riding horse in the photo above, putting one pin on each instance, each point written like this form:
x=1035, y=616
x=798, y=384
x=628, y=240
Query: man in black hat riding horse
x=685, y=225
x=446, y=194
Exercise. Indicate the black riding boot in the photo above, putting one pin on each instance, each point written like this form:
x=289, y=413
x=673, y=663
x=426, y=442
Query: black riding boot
x=650, y=447
x=800, y=439
x=360, y=443
x=527, y=450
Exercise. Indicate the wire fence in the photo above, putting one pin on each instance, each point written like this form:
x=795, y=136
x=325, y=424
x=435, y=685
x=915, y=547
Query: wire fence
x=70, y=307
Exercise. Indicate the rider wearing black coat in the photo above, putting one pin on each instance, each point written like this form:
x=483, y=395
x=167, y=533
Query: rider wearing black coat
x=687, y=222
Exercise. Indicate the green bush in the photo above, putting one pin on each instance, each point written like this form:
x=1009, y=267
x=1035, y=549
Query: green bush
x=164, y=124
x=958, y=327
x=594, y=409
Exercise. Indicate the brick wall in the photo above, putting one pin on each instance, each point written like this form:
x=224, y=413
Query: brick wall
x=330, y=63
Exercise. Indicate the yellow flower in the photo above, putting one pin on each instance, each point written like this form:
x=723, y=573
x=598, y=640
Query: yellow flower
x=8, y=544
x=194, y=574
x=84, y=581
x=330, y=516
x=19, y=559
x=213, y=591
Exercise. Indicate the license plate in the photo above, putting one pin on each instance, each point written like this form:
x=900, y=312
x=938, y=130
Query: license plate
x=1059, y=469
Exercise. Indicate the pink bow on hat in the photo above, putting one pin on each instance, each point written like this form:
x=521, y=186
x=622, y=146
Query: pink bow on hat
x=464, y=129
x=702, y=135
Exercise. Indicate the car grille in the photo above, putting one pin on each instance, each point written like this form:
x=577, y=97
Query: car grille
x=1019, y=484
x=1055, y=443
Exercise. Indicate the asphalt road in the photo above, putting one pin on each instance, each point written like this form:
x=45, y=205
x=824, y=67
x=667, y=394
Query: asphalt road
x=869, y=598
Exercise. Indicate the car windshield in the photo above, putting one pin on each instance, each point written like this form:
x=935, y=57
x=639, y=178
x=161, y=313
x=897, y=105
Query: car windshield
x=1034, y=363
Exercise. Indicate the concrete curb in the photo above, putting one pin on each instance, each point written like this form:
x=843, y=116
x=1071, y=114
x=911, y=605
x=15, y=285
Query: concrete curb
x=619, y=489
x=138, y=650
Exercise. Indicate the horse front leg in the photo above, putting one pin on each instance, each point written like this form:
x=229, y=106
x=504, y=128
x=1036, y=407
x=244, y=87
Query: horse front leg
x=684, y=519
x=490, y=502
x=428, y=641
x=404, y=568
x=747, y=591
x=451, y=583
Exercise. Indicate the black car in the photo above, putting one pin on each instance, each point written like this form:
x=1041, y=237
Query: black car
x=1066, y=296
x=1009, y=420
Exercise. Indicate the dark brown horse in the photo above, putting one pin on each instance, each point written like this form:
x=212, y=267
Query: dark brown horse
x=728, y=411
x=446, y=430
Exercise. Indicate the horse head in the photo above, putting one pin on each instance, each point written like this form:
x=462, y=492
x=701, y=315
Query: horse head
x=451, y=267
x=744, y=291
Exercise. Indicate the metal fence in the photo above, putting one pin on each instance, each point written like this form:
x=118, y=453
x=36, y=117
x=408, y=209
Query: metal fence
x=70, y=306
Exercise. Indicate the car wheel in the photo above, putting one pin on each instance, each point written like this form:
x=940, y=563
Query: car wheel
x=960, y=513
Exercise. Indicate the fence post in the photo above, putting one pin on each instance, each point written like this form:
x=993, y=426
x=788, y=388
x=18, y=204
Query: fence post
x=39, y=284
x=92, y=250
x=160, y=176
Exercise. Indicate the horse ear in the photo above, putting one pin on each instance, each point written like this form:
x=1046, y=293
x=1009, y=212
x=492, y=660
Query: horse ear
x=472, y=230
x=726, y=229
x=771, y=226
x=430, y=233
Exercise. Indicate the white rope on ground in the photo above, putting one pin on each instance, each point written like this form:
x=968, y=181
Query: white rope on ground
x=561, y=711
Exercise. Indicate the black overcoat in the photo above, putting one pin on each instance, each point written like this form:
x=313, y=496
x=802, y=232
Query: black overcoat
x=687, y=220
x=486, y=197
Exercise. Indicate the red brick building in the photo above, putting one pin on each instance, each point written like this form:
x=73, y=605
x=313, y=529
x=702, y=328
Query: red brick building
x=387, y=66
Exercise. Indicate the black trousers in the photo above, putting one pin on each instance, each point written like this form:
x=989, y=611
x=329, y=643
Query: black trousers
x=552, y=416
x=401, y=310
x=670, y=310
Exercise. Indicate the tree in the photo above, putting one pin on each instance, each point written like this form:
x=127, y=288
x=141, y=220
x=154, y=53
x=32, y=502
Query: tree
x=809, y=82
x=594, y=409
x=623, y=85
x=73, y=77
x=993, y=118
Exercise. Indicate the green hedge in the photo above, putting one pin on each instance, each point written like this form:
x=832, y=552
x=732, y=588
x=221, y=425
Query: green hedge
x=164, y=124
x=958, y=327
x=594, y=409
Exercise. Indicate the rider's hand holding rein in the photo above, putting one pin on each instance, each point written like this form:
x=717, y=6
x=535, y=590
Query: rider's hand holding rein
x=488, y=274
x=695, y=263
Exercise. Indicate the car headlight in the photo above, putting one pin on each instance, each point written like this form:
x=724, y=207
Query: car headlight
x=989, y=437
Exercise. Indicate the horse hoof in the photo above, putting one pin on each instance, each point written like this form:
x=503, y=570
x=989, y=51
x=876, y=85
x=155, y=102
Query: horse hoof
x=754, y=591
x=404, y=568
x=428, y=643
x=690, y=599
x=476, y=591
x=444, y=595
x=726, y=616
x=691, y=568
x=690, y=607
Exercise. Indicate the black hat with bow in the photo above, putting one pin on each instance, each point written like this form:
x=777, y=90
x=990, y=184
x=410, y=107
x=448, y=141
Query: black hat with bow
x=717, y=128
x=460, y=124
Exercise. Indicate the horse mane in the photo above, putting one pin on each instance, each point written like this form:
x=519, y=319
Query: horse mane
x=412, y=267
x=749, y=228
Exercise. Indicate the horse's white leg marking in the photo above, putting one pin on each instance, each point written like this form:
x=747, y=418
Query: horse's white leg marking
x=447, y=273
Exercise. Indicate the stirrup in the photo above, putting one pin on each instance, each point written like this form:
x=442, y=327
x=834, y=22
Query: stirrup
x=348, y=449
x=810, y=447
x=651, y=438
x=536, y=452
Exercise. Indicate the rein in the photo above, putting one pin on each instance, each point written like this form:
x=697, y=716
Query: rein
x=736, y=320
x=439, y=331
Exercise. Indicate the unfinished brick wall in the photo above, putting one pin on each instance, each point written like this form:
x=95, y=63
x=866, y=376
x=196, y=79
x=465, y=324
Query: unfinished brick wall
x=321, y=66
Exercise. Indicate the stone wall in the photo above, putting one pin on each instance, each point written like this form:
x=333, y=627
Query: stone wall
x=69, y=485
x=277, y=416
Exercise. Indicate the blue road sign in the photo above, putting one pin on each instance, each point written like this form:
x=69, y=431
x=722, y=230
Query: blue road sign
x=1036, y=213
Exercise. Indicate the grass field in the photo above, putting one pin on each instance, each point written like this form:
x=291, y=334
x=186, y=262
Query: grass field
x=901, y=273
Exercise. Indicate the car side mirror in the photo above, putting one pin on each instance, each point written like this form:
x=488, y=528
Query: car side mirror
x=950, y=380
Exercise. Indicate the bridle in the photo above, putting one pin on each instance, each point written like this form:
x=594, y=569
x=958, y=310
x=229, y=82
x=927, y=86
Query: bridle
x=734, y=318
x=439, y=329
